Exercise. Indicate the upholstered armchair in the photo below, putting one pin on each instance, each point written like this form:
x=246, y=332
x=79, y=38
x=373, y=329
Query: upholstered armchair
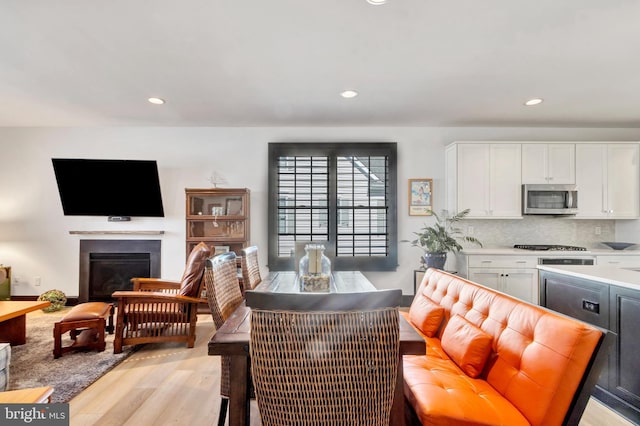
x=160, y=310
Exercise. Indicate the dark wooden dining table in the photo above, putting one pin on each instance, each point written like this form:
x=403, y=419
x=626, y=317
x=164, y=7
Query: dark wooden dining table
x=233, y=339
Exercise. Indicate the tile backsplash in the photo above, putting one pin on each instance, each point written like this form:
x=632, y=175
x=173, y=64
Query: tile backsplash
x=540, y=230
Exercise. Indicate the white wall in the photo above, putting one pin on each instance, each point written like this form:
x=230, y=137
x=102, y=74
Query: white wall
x=34, y=234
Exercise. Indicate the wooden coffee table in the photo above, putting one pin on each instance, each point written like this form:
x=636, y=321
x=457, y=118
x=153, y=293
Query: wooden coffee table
x=41, y=395
x=13, y=319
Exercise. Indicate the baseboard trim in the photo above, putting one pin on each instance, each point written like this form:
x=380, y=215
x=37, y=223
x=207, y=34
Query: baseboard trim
x=621, y=407
x=71, y=301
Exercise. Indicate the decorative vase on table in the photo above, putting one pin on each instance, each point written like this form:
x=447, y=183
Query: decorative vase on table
x=314, y=269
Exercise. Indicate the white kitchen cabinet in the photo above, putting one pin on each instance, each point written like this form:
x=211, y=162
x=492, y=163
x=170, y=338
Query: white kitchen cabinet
x=607, y=176
x=520, y=283
x=513, y=275
x=485, y=178
x=621, y=261
x=548, y=163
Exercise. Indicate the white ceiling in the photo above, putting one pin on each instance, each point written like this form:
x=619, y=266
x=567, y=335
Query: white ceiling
x=284, y=62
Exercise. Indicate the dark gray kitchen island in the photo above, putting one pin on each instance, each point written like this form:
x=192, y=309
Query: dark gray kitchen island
x=608, y=297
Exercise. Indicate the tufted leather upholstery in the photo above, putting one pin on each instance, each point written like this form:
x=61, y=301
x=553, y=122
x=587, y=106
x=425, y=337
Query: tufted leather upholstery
x=537, y=362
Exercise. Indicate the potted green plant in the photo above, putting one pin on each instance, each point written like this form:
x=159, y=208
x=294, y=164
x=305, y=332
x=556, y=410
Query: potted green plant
x=442, y=237
x=57, y=298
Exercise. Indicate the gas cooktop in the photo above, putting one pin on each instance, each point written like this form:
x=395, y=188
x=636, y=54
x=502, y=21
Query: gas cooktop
x=547, y=247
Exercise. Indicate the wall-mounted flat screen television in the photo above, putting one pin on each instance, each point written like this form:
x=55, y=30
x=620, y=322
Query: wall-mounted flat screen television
x=118, y=189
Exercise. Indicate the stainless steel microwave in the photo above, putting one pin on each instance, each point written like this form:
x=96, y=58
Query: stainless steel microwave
x=550, y=199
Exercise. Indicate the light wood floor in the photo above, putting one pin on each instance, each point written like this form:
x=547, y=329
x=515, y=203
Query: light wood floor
x=169, y=384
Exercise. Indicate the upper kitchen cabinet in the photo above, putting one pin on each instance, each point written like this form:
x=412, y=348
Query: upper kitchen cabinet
x=607, y=176
x=553, y=163
x=485, y=178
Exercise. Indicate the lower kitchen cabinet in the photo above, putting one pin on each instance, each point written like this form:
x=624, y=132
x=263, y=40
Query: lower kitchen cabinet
x=514, y=275
x=619, y=261
x=582, y=299
x=520, y=283
x=624, y=365
x=608, y=306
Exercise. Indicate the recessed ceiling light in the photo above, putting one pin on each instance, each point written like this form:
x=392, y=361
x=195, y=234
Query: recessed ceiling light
x=349, y=94
x=376, y=2
x=534, y=101
x=156, y=101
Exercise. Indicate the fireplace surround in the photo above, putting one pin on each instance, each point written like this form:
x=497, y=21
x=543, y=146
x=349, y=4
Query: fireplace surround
x=108, y=265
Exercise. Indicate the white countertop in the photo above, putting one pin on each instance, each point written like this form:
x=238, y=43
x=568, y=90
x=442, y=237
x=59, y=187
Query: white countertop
x=548, y=253
x=606, y=274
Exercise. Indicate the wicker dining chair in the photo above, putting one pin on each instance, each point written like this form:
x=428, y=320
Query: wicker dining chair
x=224, y=296
x=250, y=268
x=324, y=359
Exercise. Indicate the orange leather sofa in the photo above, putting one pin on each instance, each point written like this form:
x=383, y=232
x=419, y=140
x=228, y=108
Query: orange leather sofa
x=496, y=360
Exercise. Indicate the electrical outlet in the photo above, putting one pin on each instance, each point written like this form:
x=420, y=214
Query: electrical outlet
x=36, y=281
x=470, y=230
x=597, y=230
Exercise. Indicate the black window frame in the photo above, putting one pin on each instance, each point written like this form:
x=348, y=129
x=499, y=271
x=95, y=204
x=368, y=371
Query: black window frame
x=334, y=150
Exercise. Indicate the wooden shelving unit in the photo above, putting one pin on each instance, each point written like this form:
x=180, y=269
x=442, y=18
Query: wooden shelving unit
x=219, y=217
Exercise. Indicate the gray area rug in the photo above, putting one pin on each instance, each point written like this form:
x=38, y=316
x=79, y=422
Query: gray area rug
x=32, y=364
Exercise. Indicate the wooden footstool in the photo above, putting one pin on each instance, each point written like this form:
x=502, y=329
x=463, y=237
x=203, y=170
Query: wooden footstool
x=86, y=323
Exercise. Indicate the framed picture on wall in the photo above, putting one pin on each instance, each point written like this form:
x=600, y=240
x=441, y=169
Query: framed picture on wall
x=420, y=197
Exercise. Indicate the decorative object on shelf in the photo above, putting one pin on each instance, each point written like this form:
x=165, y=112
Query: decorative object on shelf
x=618, y=246
x=420, y=197
x=57, y=298
x=442, y=237
x=234, y=206
x=216, y=209
x=217, y=179
x=314, y=269
x=220, y=250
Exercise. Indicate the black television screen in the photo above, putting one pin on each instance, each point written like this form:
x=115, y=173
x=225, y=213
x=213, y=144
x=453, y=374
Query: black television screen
x=116, y=188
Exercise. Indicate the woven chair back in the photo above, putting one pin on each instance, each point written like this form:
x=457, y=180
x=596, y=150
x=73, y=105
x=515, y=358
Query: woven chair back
x=335, y=367
x=223, y=290
x=250, y=268
x=224, y=296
